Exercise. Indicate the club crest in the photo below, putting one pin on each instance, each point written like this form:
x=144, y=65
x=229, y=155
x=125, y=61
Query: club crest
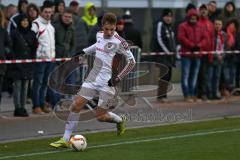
x=110, y=46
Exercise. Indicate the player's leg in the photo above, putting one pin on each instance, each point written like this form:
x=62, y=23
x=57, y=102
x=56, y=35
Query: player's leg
x=73, y=118
x=72, y=121
x=87, y=92
x=104, y=115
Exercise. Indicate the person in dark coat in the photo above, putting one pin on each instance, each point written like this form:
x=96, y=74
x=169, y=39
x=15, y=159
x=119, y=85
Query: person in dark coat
x=231, y=60
x=229, y=13
x=213, y=12
x=164, y=41
x=22, y=8
x=4, y=44
x=120, y=27
x=132, y=34
x=64, y=43
x=64, y=35
x=24, y=47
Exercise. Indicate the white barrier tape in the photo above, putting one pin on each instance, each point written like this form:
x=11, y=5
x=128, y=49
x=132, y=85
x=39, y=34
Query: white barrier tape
x=188, y=53
x=33, y=60
x=143, y=54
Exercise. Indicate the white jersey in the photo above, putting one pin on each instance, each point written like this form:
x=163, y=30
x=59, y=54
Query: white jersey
x=105, y=50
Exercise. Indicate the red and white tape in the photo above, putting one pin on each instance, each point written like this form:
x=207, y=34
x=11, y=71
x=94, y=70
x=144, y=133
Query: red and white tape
x=143, y=54
x=33, y=60
x=201, y=53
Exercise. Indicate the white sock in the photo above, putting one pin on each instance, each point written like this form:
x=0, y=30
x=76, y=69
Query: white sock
x=71, y=124
x=115, y=118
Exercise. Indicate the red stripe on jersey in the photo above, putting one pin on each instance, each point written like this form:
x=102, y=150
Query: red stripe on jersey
x=123, y=42
x=126, y=70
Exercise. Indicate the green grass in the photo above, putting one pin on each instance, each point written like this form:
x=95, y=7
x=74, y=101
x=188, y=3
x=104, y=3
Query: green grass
x=210, y=140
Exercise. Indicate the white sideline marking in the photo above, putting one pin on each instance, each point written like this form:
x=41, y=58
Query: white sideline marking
x=128, y=142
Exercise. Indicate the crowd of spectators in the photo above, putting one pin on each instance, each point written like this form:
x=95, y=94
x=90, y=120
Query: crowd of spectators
x=55, y=30
x=52, y=30
x=206, y=37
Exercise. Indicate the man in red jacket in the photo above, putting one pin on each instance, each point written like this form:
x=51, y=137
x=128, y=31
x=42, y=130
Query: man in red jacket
x=192, y=38
x=209, y=31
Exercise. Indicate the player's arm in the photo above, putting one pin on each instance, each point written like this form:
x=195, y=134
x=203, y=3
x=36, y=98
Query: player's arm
x=90, y=50
x=87, y=51
x=124, y=49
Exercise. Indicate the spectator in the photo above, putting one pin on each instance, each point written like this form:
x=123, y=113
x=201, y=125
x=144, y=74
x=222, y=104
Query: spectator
x=81, y=28
x=208, y=27
x=59, y=9
x=230, y=60
x=228, y=13
x=132, y=34
x=192, y=38
x=22, y=8
x=90, y=17
x=81, y=36
x=74, y=7
x=213, y=12
x=120, y=27
x=95, y=29
x=64, y=40
x=164, y=41
x=59, y=6
x=64, y=35
x=46, y=49
x=24, y=47
x=4, y=44
x=178, y=21
x=215, y=61
x=189, y=7
x=32, y=12
x=9, y=12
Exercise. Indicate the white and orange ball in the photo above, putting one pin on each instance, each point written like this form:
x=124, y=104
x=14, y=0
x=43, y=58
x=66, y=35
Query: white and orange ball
x=78, y=143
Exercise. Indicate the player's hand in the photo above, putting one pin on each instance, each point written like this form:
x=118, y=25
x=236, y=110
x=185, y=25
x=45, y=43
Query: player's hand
x=113, y=82
x=79, y=53
x=77, y=58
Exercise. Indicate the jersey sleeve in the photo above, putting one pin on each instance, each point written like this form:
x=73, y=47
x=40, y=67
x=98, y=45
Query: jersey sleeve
x=90, y=50
x=35, y=27
x=124, y=49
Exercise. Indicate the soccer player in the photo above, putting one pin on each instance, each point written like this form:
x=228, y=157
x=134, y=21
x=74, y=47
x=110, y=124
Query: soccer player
x=100, y=80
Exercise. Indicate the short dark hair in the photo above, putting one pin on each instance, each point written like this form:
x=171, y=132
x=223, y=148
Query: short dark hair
x=212, y=2
x=34, y=6
x=10, y=5
x=235, y=22
x=46, y=4
x=68, y=11
x=218, y=18
x=110, y=18
x=73, y=3
x=20, y=3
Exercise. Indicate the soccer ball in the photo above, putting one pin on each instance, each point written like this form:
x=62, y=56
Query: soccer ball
x=78, y=143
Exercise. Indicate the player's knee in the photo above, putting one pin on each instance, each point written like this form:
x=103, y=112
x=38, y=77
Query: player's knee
x=76, y=105
x=101, y=117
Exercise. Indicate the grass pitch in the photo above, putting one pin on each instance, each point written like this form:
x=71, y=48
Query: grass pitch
x=209, y=140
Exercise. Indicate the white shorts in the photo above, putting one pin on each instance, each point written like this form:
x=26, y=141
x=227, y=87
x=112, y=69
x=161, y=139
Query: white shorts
x=105, y=93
